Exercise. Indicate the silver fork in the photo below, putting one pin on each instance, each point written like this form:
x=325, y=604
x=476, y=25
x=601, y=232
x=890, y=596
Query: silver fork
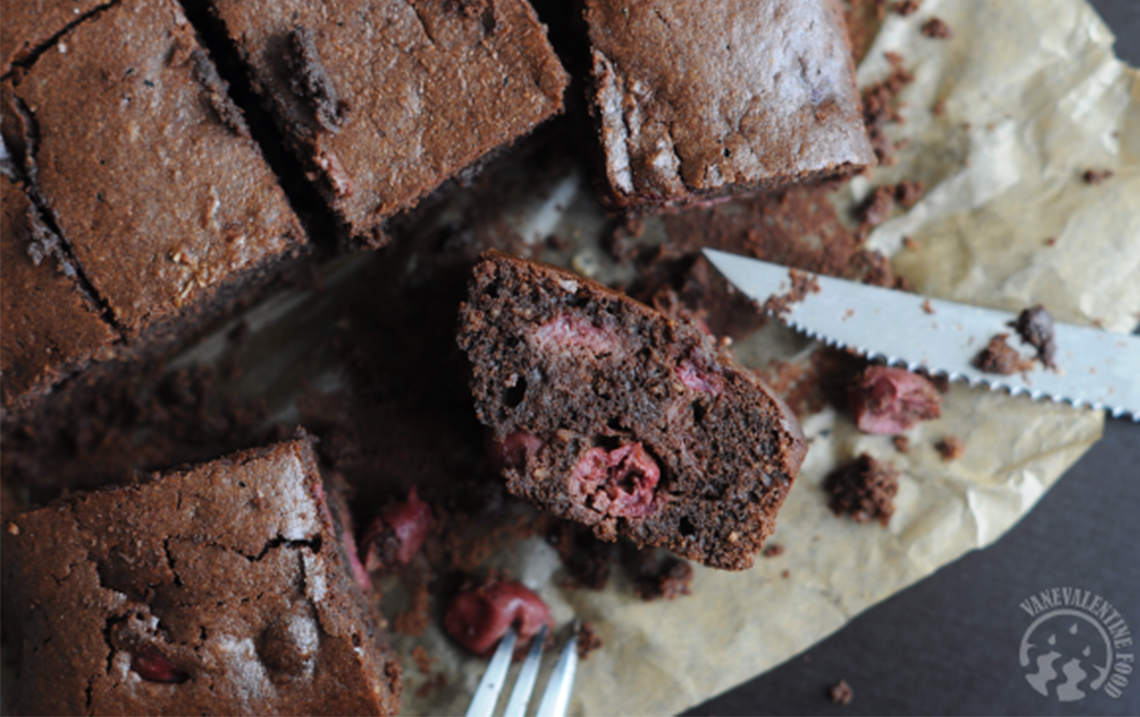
x=555, y=698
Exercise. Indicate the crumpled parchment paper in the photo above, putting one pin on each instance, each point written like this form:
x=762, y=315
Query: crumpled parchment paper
x=1032, y=96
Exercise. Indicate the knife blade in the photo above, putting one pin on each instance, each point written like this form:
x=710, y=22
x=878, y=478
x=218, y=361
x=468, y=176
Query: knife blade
x=1093, y=368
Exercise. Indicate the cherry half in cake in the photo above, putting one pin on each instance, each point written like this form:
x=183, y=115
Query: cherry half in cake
x=609, y=413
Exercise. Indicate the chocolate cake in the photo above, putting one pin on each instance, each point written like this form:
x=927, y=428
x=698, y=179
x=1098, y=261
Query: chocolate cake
x=50, y=327
x=698, y=100
x=220, y=589
x=865, y=489
x=609, y=413
x=29, y=27
x=1001, y=358
x=162, y=203
x=1035, y=327
x=384, y=101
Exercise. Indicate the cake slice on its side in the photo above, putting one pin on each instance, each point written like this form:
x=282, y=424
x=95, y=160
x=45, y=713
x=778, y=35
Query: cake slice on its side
x=221, y=589
x=607, y=412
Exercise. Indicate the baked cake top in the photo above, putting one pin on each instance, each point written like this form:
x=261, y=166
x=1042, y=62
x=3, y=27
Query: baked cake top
x=28, y=25
x=696, y=98
x=145, y=164
x=385, y=100
x=216, y=590
x=44, y=317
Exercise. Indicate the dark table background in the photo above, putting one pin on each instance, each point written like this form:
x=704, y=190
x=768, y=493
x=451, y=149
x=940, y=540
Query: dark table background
x=949, y=644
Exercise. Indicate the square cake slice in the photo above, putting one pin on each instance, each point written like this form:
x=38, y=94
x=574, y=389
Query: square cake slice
x=609, y=413
x=384, y=100
x=146, y=169
x=50, y=327
x=220, y=589
x=696, y=99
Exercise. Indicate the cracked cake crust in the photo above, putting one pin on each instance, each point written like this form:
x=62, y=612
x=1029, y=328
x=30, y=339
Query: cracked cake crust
x=50, y=327
x=384, y=101
x=221, y=589
x=143, y=168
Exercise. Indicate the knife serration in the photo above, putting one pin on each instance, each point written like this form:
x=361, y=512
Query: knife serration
x=1094, y=368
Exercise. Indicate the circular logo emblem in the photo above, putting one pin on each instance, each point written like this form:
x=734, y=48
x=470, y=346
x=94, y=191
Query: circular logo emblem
x=1076, y=644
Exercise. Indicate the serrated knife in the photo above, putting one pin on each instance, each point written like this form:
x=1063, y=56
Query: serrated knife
x=1093, y=367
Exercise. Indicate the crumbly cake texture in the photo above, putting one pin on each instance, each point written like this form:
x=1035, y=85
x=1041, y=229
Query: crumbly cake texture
x=384, y=101
x=608, y=413
x=222, y=589
x=697, y=100
x=146, y=169
x=865, y=489
x=50, y=327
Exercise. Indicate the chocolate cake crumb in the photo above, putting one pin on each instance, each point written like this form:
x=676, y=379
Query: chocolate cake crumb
x=1035, y=327
x=588, y=641
x=1050, y=241
x=880, y=107
x=907, y=7
x=876, y=208
x=927, y=307
x=311, y=82
x=902, y=444
x=422, y=659
x=950, y=448
x=1001, y=358
x=841, y=693
x=587, y=559
x=803, y=284
x=773, y=551
x=907, y=193
x=786, y=574
x=865, y=489
x=666, y=578
x=1096, y=176
x=217, y=90
x=937, y=28
x=938, y=108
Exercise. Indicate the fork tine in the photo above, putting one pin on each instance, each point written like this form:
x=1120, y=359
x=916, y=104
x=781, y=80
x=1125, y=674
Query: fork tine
x=556, y=698
x=483, y=703
x=528, y=673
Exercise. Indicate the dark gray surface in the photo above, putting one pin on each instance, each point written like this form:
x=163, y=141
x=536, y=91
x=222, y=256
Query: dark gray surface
x=949, y=645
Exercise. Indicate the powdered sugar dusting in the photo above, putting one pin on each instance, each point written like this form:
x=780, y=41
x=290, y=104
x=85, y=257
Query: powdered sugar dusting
x=299, y=519
x=244, y=671
x=315, y=585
